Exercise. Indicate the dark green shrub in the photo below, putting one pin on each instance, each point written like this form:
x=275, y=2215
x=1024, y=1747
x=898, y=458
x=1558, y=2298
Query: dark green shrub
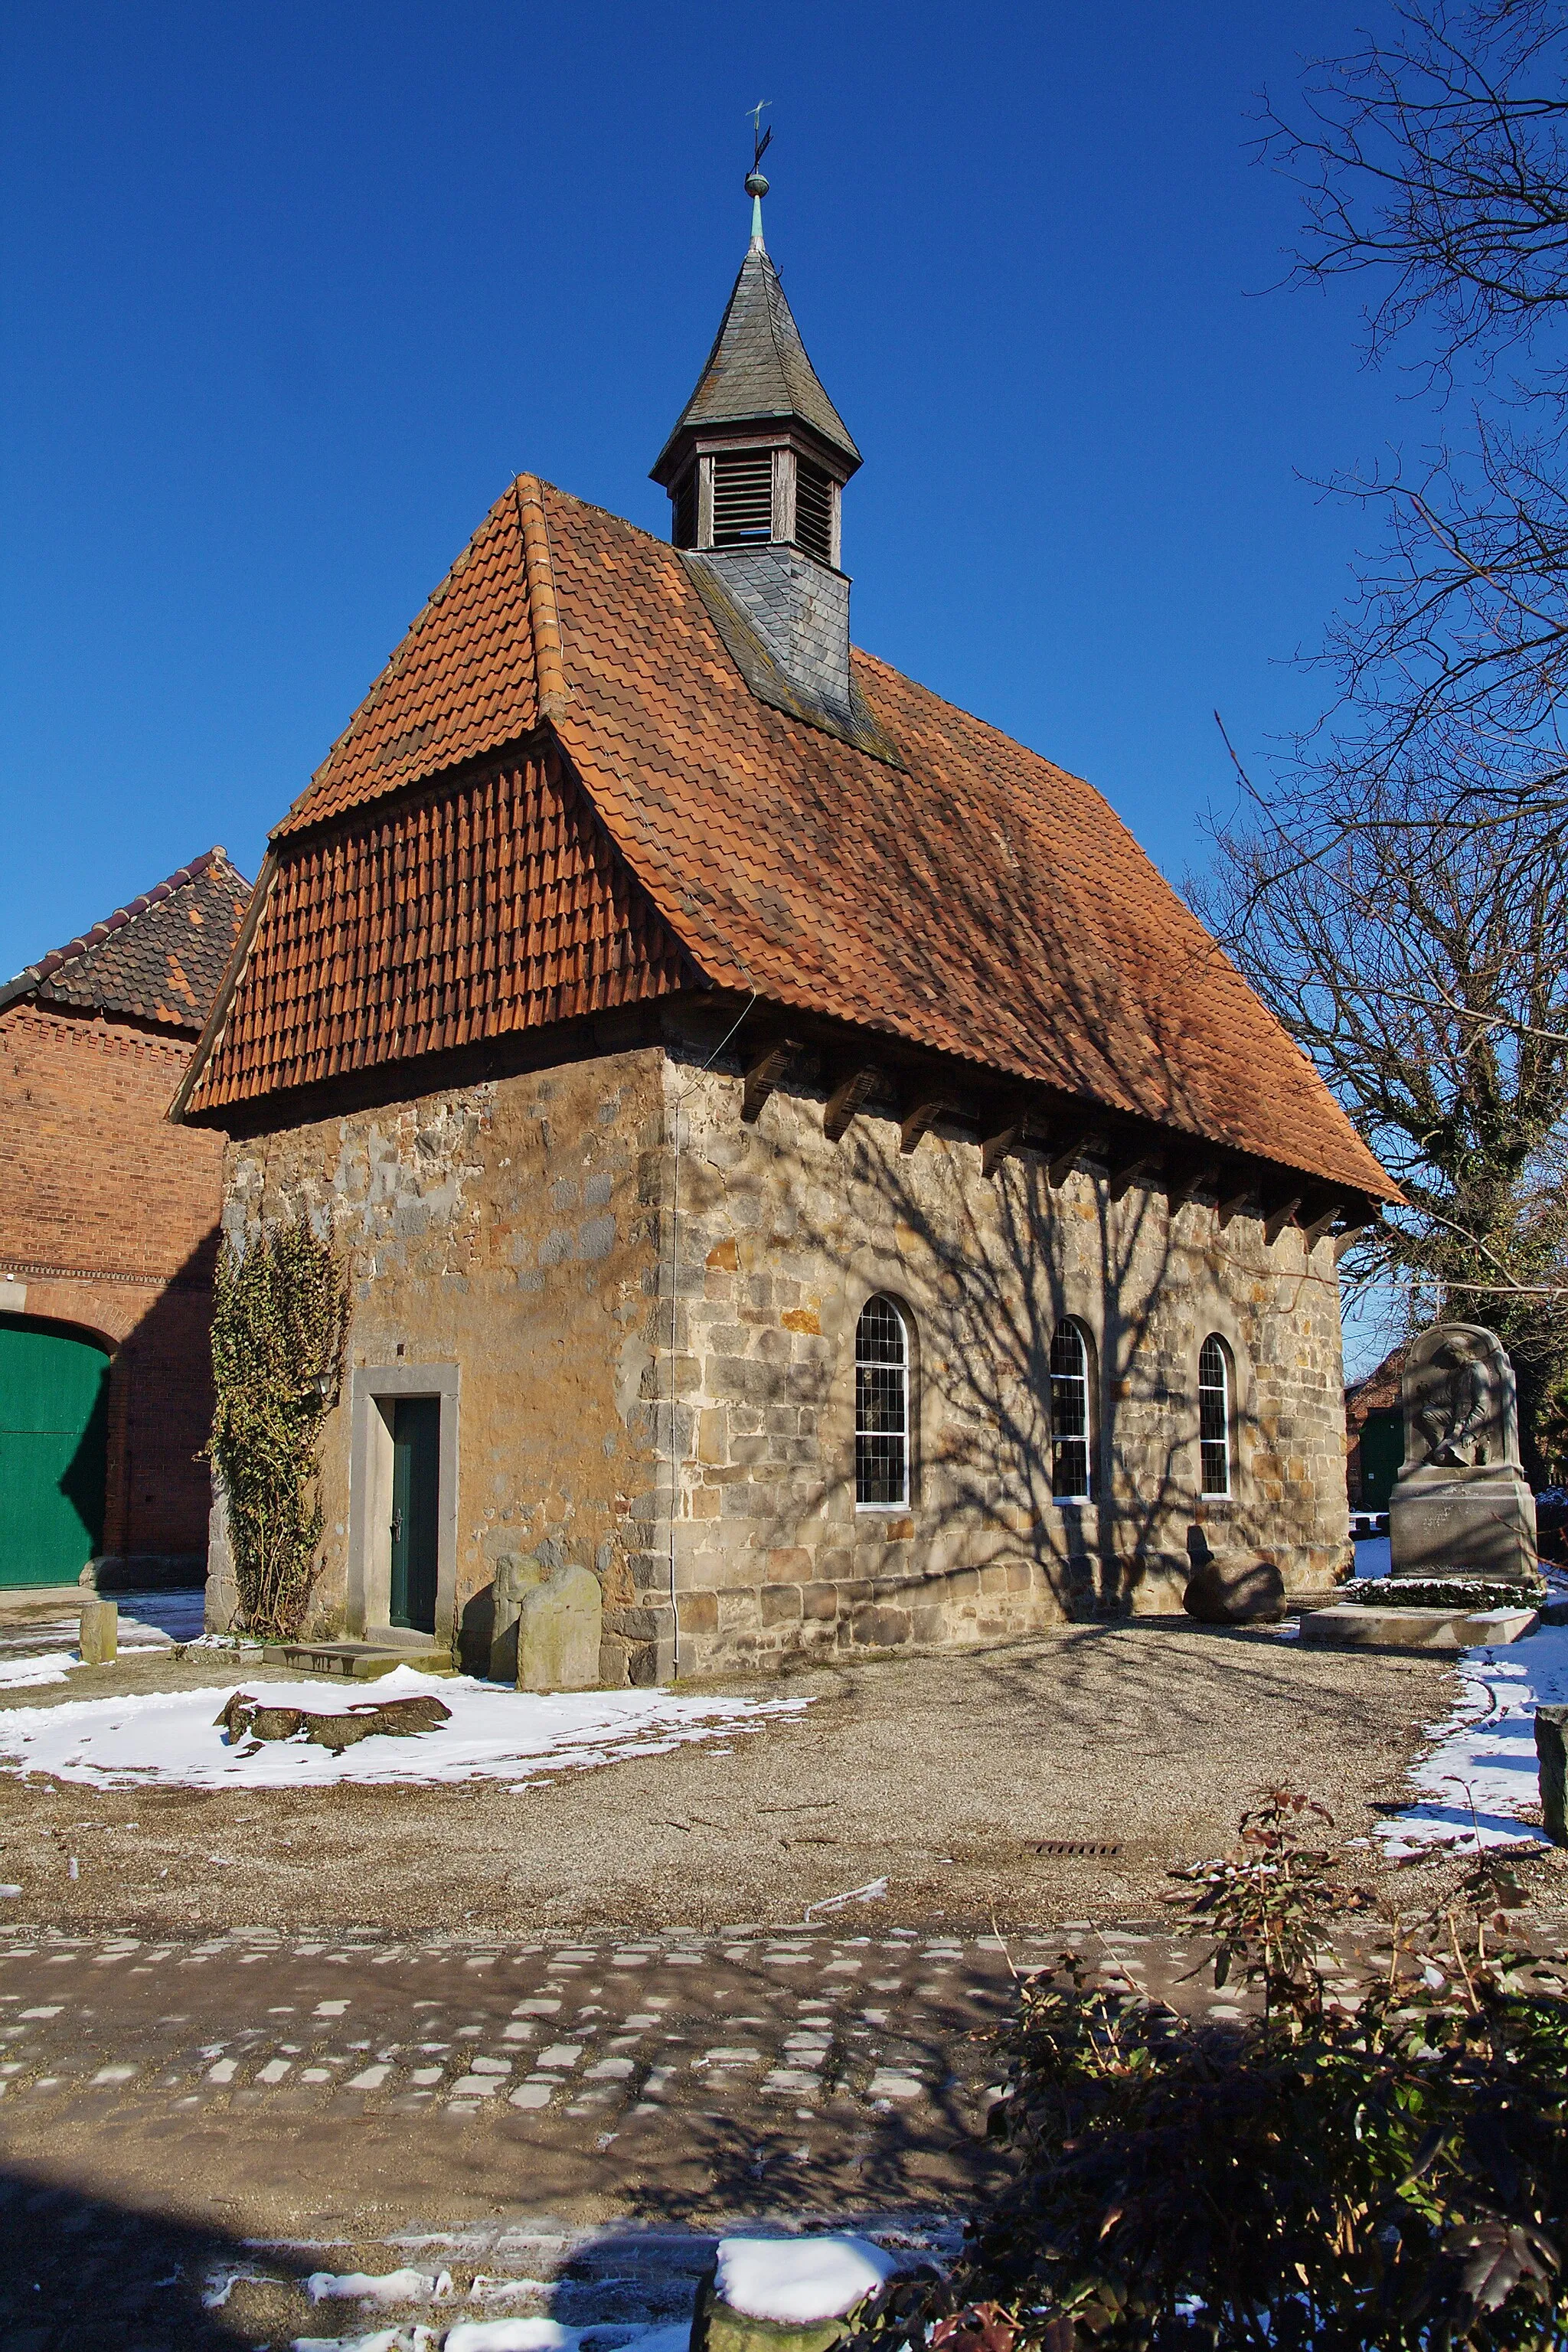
x=1394, y=2175
x=280, y=1318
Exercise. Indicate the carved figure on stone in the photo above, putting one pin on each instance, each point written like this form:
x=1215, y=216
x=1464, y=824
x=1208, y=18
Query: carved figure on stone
x=1461, y=1505
x=1461, y=1412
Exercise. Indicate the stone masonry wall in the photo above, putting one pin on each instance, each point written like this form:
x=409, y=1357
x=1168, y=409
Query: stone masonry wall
x=633, y=1322
x=498, y=1228
x=782, y=1236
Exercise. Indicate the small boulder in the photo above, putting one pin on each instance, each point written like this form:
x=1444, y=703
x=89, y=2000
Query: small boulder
x=1237, y=1590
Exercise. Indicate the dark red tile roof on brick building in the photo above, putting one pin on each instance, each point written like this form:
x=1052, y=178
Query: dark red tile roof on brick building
x=650, y=825
x=160, y=958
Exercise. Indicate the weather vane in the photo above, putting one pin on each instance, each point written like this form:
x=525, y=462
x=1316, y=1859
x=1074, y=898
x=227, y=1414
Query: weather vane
x=756, y=186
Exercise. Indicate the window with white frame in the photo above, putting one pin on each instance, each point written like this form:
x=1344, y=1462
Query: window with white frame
x=882, y=1407
x=1069, y=1414
x=1214, y=1417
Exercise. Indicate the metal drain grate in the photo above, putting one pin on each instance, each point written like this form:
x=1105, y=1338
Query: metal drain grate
x=1077, y=1846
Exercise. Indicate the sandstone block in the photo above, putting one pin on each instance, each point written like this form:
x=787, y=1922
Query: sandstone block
x=882, y=1628
x=558, y=1632
x=1552, y=1750
x=1234, y=1590
x=100, y=1636
x=515, y=1574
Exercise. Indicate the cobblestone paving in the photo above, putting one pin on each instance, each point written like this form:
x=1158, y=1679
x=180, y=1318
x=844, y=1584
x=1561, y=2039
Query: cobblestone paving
x=599, y=2033
x=188, y=2131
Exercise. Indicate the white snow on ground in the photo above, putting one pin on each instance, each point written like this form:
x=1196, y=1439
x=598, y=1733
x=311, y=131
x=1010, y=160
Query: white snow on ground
x=494, y=1734
x=18, y=1674
x=1371, y=1556
x=800, y=2279
x=501, y=2336
x=379, y=2286
x=1483, y=1758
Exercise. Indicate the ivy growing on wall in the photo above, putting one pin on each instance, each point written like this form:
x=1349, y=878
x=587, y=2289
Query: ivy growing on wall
x=281, y=1316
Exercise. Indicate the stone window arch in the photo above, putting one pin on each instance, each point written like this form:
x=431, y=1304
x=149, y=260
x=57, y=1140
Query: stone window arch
x=1216, y=1420
x=883, y=1419
x=1072, y=1413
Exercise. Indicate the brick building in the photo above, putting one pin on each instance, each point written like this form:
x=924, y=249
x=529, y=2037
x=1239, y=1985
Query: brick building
x=108, y=1227
x=795, y=1158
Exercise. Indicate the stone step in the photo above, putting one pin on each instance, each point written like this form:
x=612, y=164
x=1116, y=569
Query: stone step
x=1356, y=1626
x=359, y=1661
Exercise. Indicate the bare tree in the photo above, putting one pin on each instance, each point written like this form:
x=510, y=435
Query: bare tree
x=1396, y=893
x=1424, y=966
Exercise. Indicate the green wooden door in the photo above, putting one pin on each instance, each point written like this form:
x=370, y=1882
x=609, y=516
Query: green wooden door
x=1381, y=1453
x=415, y=1498
x=54, y=1423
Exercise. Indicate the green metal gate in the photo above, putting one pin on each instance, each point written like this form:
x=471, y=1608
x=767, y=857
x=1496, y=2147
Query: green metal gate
x=54, y=1424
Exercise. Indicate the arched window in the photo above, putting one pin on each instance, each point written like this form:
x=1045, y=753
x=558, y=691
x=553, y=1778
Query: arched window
x=1214, y=1416
x=882, y=1407
x=1069, y=1414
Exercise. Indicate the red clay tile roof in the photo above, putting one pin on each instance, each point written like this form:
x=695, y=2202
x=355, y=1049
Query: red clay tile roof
x=160, y=958
x=985, y=903
x=493, y=904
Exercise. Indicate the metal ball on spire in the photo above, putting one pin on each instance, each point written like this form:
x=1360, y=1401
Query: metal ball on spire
x=756, y=185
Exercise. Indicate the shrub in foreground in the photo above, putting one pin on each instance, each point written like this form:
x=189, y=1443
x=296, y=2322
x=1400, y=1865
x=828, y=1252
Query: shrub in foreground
x=1392, y=2174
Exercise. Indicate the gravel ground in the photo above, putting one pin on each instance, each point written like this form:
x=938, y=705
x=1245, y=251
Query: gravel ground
x=958, y=1778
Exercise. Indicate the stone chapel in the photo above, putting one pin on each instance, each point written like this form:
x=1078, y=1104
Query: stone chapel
x=794, y=1157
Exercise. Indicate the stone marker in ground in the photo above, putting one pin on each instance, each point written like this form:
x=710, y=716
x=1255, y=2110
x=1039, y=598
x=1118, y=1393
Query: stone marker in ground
x=789, y=2292
x=1552, y=1750
x=100, y=1635
x=547, y=1625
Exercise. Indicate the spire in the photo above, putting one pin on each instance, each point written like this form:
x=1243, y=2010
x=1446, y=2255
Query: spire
x=755, y=469
x=757, y=374
x=758, y=379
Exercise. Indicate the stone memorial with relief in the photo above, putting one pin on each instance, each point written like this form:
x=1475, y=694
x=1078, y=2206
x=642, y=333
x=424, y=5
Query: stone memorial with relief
x=1461, y=1504
x=1461, y=1519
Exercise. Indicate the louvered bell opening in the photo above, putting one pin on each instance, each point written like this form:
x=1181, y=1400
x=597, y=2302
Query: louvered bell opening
x=683, y=511
x=743, y=497
x=814, y=511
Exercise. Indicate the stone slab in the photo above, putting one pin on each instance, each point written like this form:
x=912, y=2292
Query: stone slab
x=1353, y=1626
x=558, y=1623
x=354, y=1661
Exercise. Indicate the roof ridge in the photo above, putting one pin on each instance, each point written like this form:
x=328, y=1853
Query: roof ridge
x=46, y=966
x=550, y=689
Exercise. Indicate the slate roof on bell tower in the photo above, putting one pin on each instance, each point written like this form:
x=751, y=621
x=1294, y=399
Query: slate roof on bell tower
x=757, y=371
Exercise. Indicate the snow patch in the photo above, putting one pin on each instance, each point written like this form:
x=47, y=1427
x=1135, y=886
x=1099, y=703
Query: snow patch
x=19, y=1673
x=798, y=2280
x=1476, y=1782
x=386, y=2286
x=494, y=1734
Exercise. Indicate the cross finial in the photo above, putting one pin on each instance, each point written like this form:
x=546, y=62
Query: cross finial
x=756, y=186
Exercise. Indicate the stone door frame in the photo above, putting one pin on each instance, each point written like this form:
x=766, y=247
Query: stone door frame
x=367, y=1605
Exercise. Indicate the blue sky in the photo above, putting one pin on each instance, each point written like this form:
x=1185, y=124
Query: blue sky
x=290, y=293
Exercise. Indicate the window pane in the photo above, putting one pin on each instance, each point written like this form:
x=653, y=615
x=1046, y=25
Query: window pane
x=881, y=1405
x=879, y=1338
x=1069, y=1414
x=1214, y=1418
